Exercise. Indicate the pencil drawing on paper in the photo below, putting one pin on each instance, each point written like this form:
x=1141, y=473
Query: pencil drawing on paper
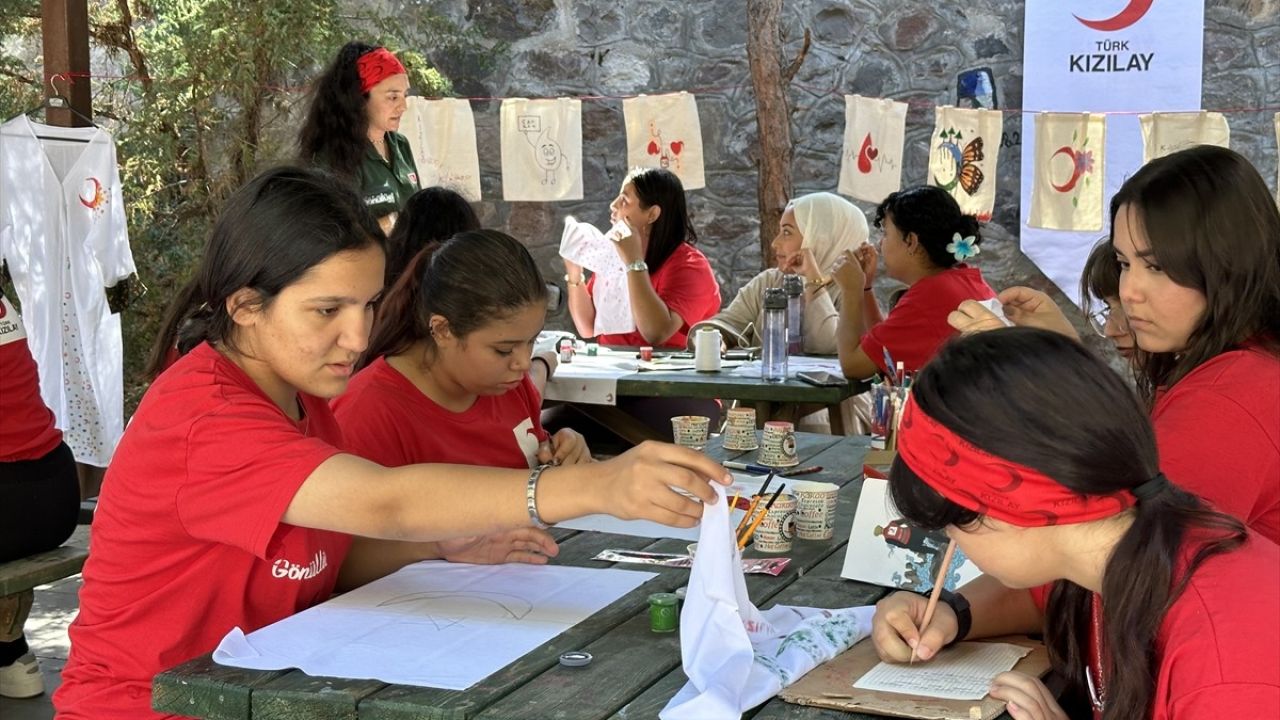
x=547, y=154
x=447, y=608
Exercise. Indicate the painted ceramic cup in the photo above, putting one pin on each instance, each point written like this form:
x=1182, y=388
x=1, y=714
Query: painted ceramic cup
x=775, y=532
x=815, y=509
x=740, y=429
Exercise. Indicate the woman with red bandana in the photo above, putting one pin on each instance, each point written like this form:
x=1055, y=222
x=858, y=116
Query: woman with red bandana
x=1023, y=447
x=356, y=106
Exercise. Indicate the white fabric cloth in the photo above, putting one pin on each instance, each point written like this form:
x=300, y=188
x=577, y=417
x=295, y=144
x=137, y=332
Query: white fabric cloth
x=64, y=237
x=735, y=656
x=584, y=244
x=663, y=131
x=1069, y=171
x=541, y=149
x=874, y=136
x=963, y=155
x=1165, y=133
x=442, y=135
x=829, y=225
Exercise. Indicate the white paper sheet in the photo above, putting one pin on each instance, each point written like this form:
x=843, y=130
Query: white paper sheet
x=737, y=657
x=795, y=364
x=432, y=624
x=744, y=485
x=961, y=672
x=591, y=380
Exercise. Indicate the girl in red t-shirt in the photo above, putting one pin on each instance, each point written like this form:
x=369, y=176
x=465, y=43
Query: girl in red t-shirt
x=669, y=282
x=1041, y=466
x=230, y=503
x=926, y=241
x=447, y=373
x=1196, y=241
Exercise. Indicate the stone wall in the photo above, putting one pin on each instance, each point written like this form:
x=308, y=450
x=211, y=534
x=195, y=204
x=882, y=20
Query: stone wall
x=910, y=51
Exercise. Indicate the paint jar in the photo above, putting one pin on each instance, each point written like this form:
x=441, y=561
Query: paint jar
x=646, y=353
x=663, y=615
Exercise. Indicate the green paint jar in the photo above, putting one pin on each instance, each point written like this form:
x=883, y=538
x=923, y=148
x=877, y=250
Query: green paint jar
x=663, y=615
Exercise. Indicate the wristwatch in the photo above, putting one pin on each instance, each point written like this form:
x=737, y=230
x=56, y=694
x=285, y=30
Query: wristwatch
x=570, y=283
x=638, y=266
x=960, y=606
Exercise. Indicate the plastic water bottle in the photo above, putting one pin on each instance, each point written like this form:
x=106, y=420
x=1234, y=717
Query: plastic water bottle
x=773, y=360
x=794, y=285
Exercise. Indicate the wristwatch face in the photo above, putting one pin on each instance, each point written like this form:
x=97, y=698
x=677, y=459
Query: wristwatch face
x=637, y=266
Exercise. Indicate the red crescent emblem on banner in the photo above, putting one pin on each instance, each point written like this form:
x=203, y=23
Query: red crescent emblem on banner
x=1076, y=170
x=1131, y=14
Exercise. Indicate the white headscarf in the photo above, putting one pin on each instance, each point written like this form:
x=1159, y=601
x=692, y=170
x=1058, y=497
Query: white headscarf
x=830, y=225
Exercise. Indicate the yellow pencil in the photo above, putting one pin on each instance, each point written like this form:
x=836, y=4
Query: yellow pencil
x=937, y=592
x=742, y=542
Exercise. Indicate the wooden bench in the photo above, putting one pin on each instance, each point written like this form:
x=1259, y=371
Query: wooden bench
x=41, y=568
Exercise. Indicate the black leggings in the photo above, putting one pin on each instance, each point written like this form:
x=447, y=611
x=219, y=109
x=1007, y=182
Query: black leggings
x=39, y=506
x=39, y=503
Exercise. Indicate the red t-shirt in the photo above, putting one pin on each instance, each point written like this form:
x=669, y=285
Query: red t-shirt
x=917, y=326
x=387, y=419
x=1219, y=644
x=687, y=286
x=187, y=541
x=27, y=430
x=1218, y=430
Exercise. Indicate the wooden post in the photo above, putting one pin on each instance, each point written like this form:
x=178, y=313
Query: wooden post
x=773, y=114
x=65, y=26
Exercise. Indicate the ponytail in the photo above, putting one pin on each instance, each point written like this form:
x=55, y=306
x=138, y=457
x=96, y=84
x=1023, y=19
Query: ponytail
x=1137, y=591
x=398, y=324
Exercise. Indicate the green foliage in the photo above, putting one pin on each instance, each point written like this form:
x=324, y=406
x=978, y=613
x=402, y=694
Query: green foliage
x=202, y=95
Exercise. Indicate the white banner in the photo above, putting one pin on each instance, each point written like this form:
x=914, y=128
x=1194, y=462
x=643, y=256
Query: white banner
x=442, y=134
x=1103, y=56
x=663, y=131
x=1167, y=133
x=541, y=149
x=871, y=162
x=962, y=157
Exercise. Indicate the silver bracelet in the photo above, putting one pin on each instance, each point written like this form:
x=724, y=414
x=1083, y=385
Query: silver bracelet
x=530, y=496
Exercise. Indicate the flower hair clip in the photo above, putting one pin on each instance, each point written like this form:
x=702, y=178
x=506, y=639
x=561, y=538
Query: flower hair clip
x=963, y=248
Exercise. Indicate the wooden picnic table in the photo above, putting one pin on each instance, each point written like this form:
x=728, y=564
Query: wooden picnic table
x=786, y=400
x=634, y=671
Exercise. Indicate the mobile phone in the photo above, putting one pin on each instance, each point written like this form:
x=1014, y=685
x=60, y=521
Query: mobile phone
x=739, y=355
x=824, y=379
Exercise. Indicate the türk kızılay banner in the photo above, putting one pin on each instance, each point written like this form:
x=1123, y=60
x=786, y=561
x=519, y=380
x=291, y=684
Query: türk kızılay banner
x=1113, y=56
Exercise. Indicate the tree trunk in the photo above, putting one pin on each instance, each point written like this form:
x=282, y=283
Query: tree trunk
x=773, y=114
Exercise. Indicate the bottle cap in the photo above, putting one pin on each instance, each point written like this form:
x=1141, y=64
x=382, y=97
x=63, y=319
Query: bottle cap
x=775, y=299
x=575, y=658
x=793, y=284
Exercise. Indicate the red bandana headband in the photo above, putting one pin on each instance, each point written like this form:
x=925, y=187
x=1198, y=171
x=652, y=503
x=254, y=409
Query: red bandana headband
x=979, y=481
x=375, y=66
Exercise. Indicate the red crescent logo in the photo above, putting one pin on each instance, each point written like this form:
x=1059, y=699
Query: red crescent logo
x=92, y=202
x=1131, y=14
x=1076, y=172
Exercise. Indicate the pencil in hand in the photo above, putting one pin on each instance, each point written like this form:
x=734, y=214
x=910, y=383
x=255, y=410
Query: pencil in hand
x=937, y=593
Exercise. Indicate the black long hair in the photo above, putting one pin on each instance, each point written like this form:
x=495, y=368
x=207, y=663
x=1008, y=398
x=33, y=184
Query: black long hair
x=334, y=134
x=1214, y=227
x=657, y=186
x=1042, y=400
x=269, y=234
x=470, y=279
x=432, y=214
x=934, y=216
x=1100, y=278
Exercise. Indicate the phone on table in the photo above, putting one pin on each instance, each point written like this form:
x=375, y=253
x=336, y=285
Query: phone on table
x=822, y=378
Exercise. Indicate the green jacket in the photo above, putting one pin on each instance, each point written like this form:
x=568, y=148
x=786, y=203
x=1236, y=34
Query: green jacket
x=385, y=185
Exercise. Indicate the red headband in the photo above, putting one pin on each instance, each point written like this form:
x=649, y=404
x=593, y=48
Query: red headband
x=375, y=66
x=979, y=481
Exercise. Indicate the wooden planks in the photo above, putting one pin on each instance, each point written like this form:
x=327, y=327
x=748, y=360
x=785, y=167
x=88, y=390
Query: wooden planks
x=46, y=567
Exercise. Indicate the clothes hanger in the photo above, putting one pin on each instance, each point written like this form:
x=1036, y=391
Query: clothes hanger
x=57, y=101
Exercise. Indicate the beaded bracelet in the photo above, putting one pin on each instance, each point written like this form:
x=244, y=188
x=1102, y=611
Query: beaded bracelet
x=530, y=497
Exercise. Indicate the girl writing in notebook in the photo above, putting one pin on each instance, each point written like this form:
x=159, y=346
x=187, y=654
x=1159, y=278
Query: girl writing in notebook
x=926, y=244
x=1196, y=237
x=230, y=503
x=1038, y=462
x=448, y=380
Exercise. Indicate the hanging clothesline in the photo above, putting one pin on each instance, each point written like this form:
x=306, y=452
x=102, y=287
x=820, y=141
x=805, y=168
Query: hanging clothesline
x=821, y=92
